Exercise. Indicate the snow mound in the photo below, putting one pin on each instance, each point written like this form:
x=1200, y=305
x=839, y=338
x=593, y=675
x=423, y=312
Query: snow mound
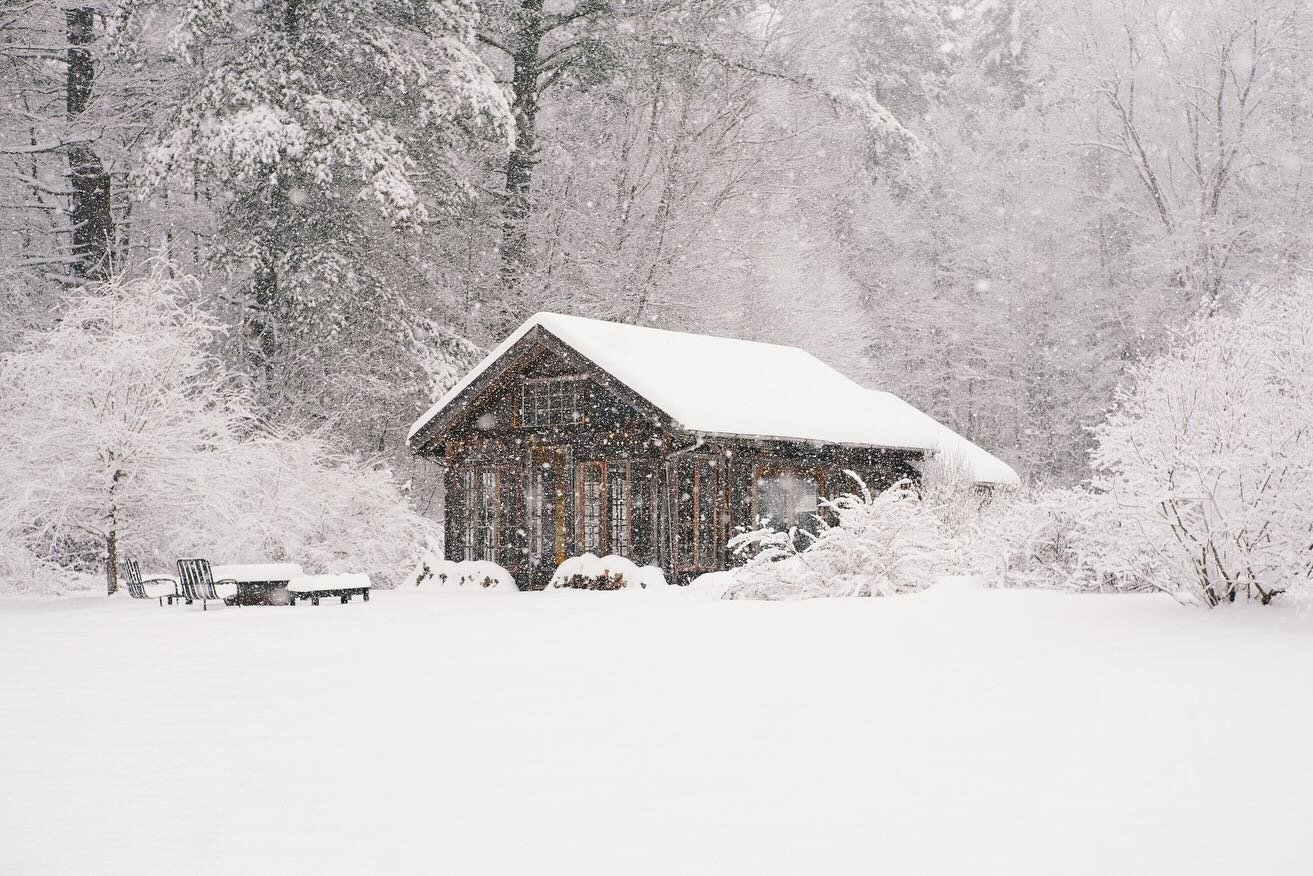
x=591, y=572
x=435, y=572
x=712, y=585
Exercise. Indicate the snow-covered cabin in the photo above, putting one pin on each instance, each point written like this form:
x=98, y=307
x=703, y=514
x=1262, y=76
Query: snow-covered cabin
x=577, y=435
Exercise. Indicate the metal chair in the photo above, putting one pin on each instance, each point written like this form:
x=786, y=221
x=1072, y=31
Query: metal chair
x=137, y=584
x=197, y=580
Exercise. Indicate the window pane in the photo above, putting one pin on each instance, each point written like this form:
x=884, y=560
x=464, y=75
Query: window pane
x=618, y=516
x=471, y=502
x=773, y=503
x=485, y=528
x=551, y=402
x=804, y=502
x=786, y=500
x=590, y=508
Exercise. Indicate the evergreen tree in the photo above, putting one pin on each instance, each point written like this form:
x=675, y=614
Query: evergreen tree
x=332, y=130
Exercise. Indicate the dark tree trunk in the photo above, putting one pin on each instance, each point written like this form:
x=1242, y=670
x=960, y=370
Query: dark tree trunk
x=271, y=248
x=264, y=313
x=112, y=561
x=93, y=222
x=112, y=539
x=519, y=166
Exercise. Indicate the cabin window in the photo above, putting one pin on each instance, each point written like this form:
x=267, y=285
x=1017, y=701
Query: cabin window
x=617, y=518
x=590, y=507
x=481, y=514
x=697, y=540
x=548, y=507
x=786, y=499
x=552, y=401
x=615, y=514
x=492, y=531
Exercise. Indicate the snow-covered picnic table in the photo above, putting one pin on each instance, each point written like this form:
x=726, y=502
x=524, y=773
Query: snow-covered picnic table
x=258, y=583
x=344, y=587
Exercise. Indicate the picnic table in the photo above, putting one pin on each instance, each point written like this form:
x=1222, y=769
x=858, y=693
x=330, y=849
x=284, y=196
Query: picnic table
x=259, y=583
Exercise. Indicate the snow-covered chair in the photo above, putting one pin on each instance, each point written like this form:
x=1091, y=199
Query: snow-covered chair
x=198, y=582
x=137, y=584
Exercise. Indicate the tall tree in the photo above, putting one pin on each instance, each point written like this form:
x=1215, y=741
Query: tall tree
x=331, y=131
x=541, y=48
x=93, y=221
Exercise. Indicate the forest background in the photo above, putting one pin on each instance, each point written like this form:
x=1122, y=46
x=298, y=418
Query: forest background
x=991, y=208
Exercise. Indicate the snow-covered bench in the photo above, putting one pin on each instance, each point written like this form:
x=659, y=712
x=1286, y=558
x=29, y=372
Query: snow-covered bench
x=313, y=587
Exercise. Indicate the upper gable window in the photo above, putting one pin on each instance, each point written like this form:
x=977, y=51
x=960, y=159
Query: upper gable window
x=552, y=401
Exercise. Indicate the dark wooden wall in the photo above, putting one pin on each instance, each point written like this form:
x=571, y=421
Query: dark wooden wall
x=489, y=433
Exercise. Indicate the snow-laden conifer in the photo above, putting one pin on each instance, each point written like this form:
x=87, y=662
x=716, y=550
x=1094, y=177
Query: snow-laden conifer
x=326, y=126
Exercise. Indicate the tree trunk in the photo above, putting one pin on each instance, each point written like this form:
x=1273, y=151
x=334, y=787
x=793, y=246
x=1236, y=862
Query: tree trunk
x=519, y=165
x=93, y=221
x=272, y=245
x=112, y=561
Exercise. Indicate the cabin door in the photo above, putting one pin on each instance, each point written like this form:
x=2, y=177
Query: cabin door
x=548, y=506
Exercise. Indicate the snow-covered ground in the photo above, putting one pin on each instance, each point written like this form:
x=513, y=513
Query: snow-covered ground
x=955, y=730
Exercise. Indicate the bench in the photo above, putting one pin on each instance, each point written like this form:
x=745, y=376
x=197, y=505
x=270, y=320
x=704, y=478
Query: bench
x=198, y=582
x=316, y=587
x=137, y=584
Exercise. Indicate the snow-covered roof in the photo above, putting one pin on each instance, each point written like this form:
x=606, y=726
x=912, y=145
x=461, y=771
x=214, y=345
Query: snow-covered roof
x=903, y=421
x=724, y=386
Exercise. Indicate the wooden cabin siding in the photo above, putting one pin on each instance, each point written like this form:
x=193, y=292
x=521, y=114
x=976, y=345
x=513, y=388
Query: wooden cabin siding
x=702, y=490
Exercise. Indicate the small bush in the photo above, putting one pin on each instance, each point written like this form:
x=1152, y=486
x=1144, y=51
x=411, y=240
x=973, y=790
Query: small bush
x=23, y=573
x=882, y=544
x=1065, y=539
x=590, y=572
x=475, y=575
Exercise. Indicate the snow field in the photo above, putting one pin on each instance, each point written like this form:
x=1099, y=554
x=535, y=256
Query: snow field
x=954, y=730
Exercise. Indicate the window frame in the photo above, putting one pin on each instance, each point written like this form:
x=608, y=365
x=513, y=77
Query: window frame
x=527, y=413
x=611, y=473
x=764, y=471
x=581, y=516
x=490, y=512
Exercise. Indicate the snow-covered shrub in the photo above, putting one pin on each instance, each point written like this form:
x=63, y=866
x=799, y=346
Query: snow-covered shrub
x=1208, y=458
x=591, y=572
x=947, y=489
x=713, y=585
x=102, y=419
x=24, y=573
x=881, y=544
x=1068, y=539
x=477, y=575
x=290, y=498
x=121, y=435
